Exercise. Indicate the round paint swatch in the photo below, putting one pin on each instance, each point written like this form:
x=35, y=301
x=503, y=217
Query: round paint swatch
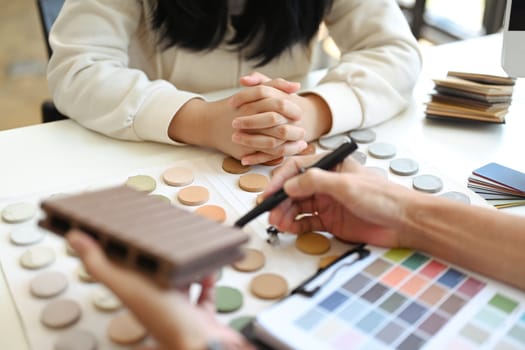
x=60, y=313
x=70, y=251
x=239, y=323
x=359, y=156
x=37, y=257
x=26, y=235
x=327, y=260
x=124, y=329
x=178, y=176
x=456, y=196
x=212, y=212
x=310, y=149
x=427, y=183
x=161, y=197
x=234, y=166
x=193, y=195
x=363, y=135
x=18, y=212
x=48, y=284
x=227, y=299
x=269, y=286
x=312, y=243
x=333, y=142
x=273, y=162
x=142, y=183
x=76, y=339
x=83, y=275
x=253, y=260
x=404, y=166
x=259, y=199
x=382, y=150
x=253, y=182
x=105, y=300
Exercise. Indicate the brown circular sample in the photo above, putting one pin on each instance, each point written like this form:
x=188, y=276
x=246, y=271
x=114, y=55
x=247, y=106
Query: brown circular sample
x=259, y=199
x=124, y=329
x=76, y=339
x=253, y=182
x=212, y=212
x=142, y=183
x=312, y=243
x=327, y=260
x=193, y=195
x=253, y=260
x=273, y=162
x=48, y=284
x=60, y=313
x=178, y=176
x=269, y=286
x=234, y=166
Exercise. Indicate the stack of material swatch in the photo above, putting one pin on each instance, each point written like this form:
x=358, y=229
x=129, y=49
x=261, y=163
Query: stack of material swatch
x=501, y=187
x=468, y=96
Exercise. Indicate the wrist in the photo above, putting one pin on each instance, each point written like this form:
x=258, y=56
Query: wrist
x=317, y=118
x=188, y=124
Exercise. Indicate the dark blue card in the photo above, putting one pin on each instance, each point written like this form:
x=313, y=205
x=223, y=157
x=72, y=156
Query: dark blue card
x=501, y=174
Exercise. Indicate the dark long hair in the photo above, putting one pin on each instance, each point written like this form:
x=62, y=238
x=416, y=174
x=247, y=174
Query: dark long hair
x=266, y=27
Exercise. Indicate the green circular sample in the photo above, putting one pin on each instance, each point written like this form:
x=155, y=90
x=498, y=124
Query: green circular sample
x=142, y=183
x=228, y=299
x=240, y=322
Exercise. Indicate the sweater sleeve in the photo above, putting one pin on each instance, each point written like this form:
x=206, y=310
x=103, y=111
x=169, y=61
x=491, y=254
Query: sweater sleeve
x=379, y=65
x=90, y=78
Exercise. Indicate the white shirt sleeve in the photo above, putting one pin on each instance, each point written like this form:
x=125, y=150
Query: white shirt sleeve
x=379, y=65
x=90, y=78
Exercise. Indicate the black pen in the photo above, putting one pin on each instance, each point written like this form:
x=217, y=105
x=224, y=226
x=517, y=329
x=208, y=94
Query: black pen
x=326, y=163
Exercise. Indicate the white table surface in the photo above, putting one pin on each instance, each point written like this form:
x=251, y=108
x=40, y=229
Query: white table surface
x=47, y=156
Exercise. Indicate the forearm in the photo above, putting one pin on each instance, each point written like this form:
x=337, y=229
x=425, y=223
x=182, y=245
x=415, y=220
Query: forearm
x=479, y=239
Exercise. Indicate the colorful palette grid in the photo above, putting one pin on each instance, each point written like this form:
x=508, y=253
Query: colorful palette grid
x=400, y=300
x=498, y=324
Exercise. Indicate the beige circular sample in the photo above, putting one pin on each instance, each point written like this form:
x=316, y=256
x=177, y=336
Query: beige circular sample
x=105, y=300
x=161, y=197
x=193, y=195
x=76, y=339
x=269, y=286
x=48, y=284
x=259, y=199
x=327, y=260
x=60, y=313
x=124, y=329
x=37, y=257
x=83, y=275
x=234, y=166
x=312, y=243
x=253, y=182
x=26, y=235
x=273, y=162
x=18, y=212
x=142, y=183
x=212, y=212
x=178, y=176
x=70, y=251
x=253, y=260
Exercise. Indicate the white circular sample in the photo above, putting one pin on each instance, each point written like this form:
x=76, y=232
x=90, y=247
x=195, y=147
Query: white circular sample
x=48, y=284
x=427, y=183
x=404, y=166
x=83, y=275
x=359, y=156
x=333, y=142
x=60, y=313
x=105, y=300
x=379, y=171
x=18, y=212
x=363, y=135
x=456, y=196
x=37, y=257
x=382, y=150
x=26, y=235
x=76, y=339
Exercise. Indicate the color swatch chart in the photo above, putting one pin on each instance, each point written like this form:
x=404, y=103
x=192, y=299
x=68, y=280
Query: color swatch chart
x=404, y=300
